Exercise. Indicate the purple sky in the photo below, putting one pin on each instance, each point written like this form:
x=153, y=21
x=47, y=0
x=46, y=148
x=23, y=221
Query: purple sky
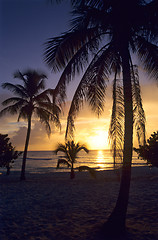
x=25, y=25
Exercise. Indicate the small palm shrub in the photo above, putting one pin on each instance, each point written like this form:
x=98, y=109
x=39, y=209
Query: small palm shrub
x=71, y=149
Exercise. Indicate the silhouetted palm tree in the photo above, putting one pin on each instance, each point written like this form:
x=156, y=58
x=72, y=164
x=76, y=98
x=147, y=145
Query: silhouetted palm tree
x=70, y=149
x=109, y=33
x=31, y=100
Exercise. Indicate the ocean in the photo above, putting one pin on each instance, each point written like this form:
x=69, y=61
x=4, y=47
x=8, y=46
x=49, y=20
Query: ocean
x=46, y=161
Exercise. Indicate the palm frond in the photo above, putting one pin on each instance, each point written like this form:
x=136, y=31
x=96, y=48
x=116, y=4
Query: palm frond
x=13, y=100
x=76, y=104
x=22, y=115
x=148, y=54
x=138, y=111
x=60, y=50
x=49, y=106
x=49, y=91
x=62, y=161
x=42, y=97
x=38, y=76
x=11, y=110
x=25, y=111
x=14, y=108
x=52, y=110
x=95, y=94
x=41, y=84
x=92, y=3
x=44, y=117
x=92, y=86
x=19, y=75
x=60, y=148
x=76, y=63
x=90, y=15
x=80, y=2
x=16, y=89
x=98, y=76
x=116, y=128
x=82, y=147
x=65, y=149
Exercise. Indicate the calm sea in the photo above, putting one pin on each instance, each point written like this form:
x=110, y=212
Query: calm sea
x=46, y=161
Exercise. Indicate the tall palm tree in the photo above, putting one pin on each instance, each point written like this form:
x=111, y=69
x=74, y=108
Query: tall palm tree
x=104, y=36
x=70, y=149
x=29, y=100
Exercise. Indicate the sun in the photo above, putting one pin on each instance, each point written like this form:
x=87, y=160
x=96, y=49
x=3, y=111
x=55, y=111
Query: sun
x=99, y=139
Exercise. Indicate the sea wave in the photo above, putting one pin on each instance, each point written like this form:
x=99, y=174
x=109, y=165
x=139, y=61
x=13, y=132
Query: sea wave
x=38, y=158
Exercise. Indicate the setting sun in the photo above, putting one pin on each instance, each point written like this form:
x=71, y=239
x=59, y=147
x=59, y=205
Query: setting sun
x=99, y=140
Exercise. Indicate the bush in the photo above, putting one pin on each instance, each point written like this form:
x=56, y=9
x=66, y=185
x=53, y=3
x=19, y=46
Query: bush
x=7, y=152
x=150, y=150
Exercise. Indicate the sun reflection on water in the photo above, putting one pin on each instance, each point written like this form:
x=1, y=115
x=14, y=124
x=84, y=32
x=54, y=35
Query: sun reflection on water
x=104, y=160
x=100, y=159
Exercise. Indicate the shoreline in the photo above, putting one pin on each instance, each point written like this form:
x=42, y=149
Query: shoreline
x=50, y=206
x=140, y=170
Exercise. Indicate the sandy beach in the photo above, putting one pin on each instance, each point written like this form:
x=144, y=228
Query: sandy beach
x=53, y=207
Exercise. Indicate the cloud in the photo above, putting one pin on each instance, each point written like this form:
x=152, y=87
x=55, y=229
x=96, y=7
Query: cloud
x=39, y=139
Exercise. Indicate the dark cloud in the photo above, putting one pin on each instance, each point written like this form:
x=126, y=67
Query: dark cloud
x=38, y=138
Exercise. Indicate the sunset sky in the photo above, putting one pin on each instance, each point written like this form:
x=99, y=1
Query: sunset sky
x=25, y=25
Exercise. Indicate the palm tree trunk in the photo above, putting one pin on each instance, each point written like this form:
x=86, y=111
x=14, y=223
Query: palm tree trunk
x=72, y=174
x=22, y=177
x=8, y=170
x=116, y=221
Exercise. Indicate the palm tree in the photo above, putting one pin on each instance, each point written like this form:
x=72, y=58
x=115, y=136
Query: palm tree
x=29, y=100
x=70, y=149
x=104, y=36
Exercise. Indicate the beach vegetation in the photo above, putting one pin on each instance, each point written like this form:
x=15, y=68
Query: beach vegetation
x=7, y=153
x=149, y=151
x=86, y=168
x=70, y=150
x=100, y=45
x=31, y=99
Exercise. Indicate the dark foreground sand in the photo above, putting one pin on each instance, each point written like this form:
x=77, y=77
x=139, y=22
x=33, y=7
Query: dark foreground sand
x=53, y=207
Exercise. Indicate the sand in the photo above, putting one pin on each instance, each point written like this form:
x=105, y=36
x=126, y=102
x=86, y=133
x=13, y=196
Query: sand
x=53, y=207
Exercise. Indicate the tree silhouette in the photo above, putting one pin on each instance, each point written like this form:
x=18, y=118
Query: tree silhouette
x=105, y=35
x=70, y=149
x=7, y=152
x=149, y=151
x=29, y=100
